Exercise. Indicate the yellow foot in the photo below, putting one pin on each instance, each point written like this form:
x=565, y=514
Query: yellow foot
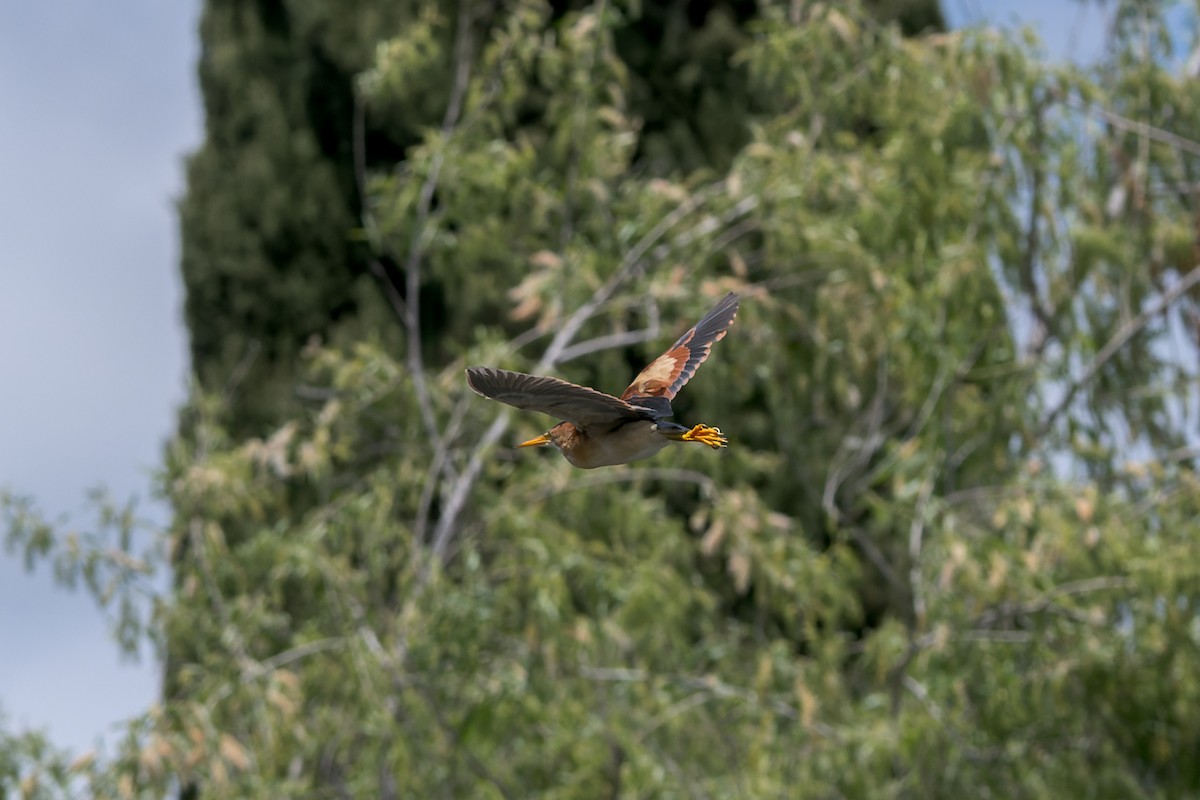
x=706, y=435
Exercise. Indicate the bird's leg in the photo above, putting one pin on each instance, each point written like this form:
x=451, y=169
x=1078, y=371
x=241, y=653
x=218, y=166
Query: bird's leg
x=705, y=435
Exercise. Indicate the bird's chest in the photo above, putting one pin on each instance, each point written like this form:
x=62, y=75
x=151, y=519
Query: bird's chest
x=629, y=442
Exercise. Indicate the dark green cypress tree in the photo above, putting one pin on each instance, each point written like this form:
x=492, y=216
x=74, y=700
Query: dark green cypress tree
x=269, y=256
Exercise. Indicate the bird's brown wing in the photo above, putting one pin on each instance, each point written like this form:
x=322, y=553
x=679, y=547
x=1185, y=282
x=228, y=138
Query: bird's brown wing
x=666, y=375
x=566, y=401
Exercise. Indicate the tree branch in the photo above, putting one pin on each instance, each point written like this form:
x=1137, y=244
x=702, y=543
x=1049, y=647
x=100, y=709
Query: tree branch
x=439, y=465
x=1025, y=267
x=417, y=238
x=916, y=535
x=1140, y=128
x=607, y=343
x=1119, y=340
x=290, y=655
x=408, y=304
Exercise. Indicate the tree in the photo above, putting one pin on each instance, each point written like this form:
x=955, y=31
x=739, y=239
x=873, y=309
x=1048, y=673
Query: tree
x=950, y=550
x=269, y=254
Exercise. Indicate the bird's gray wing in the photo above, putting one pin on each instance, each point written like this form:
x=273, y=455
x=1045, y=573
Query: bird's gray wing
x=566, y=401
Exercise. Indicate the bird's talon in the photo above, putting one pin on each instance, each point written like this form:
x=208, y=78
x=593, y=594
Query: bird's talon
x=706, y=435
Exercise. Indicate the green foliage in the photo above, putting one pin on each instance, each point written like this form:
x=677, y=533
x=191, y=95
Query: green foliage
x=32, y=766
x=950, y=551
x=116, y=562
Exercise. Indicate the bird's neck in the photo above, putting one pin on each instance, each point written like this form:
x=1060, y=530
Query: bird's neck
x=565, y=435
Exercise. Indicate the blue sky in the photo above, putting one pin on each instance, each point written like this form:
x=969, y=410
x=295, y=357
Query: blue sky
x=98, y=106
x=1069, y=29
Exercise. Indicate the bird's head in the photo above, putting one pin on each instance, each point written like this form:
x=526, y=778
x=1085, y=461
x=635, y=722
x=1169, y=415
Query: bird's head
x=561, y=436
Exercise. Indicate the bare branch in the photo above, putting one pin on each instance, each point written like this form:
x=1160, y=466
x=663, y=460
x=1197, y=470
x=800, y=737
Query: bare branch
x=291, y=655
x=789, y=281
x=1140, y=128
x=439, y=465
x=1086, y=586
x=461, y=490
x=230, y=631
x=1001, y=636
x=240, y=370
x=632, y=265
x=733, y=233
x=696, y=698
x=916, y=535
x=1119, y=340
x=919, y=691
x=854, y=451
x=1025, y=268
x=408, y=305
x=608, y=342
x=877, y=559
x=946, y=378
x=709, y=684
x=418, y=236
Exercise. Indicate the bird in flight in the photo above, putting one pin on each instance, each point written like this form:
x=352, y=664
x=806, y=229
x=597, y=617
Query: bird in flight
x=600, y=430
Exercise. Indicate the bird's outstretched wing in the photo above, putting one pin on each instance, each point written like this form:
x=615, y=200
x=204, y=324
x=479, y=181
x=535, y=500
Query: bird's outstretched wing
x=667, y=374
x=566, y=401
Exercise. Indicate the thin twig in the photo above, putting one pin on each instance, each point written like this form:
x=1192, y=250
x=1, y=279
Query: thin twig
x=1085, y=586
x=1141, y=128
x=240, y=370
x=1119, y=340
x=632, y=265
x=696, y=698
x=230, y=631
x=855, y=451
x=419, y=234
x=407, y=306
x=439, y=465
x=291, y=655
x=608, y=342
x=877, y=558
x=916, y=535
x=946, y=378
x=919, y=691
x=1028, y=261
x=1002, y=636
x=444, y=530
x=707, y=683
x=733, y=233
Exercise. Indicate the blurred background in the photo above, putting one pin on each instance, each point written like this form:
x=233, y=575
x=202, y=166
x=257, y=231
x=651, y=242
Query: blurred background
x=100, y=107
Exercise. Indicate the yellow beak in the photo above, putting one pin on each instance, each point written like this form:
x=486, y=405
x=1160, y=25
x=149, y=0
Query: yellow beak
x=539, y=441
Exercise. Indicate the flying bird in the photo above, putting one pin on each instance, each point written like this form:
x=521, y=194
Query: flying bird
x=600, y=430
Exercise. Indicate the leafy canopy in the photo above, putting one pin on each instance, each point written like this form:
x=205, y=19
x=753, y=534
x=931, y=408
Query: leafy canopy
x=951, y=551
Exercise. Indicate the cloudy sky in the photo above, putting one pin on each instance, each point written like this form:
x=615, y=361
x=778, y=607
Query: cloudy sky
x=98, y=106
